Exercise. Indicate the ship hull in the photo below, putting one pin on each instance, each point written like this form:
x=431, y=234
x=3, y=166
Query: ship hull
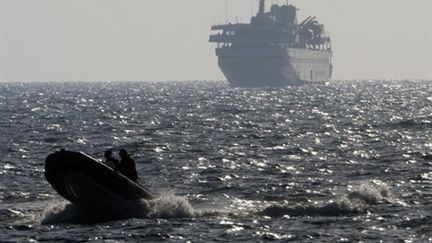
x=275, y=67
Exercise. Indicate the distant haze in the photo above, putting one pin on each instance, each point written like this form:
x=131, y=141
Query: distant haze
x=168, y=39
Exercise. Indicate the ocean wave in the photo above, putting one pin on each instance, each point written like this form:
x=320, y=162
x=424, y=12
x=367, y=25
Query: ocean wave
x=411, y=124
x=372, y=192
x=357, y=201
x=332, y=208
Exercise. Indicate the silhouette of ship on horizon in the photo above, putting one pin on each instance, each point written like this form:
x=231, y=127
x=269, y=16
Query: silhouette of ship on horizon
x=273, y=49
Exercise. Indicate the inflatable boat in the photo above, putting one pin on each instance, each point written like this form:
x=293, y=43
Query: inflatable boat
x=84, y=180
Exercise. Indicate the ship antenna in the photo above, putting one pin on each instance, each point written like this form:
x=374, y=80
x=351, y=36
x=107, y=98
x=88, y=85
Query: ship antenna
x=261, y=7
x=226, y=12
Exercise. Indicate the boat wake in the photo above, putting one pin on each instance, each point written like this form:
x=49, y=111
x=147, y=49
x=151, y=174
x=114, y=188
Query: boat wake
x=357, y=201
x=165, y=206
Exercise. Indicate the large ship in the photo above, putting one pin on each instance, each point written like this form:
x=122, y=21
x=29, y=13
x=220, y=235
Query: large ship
x=273, y=49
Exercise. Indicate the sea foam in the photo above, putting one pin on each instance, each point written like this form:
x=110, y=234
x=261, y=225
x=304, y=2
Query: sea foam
x=357, y=201
x=167, y=205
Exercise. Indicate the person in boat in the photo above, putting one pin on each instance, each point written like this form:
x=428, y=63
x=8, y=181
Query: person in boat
x=127, y=166
x=110, y=160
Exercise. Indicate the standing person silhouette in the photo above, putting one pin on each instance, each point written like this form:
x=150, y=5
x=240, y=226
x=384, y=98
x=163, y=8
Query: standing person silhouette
x=127, y=166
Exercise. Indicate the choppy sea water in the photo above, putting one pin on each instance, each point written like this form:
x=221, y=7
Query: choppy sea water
x=344, y=162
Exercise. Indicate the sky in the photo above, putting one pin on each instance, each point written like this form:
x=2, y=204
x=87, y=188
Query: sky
x=162, y=40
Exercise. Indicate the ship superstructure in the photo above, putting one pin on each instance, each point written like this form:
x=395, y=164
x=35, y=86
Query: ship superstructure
x=273, y=49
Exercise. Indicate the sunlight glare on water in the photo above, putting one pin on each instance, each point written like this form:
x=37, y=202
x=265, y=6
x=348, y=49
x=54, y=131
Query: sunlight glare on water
x=347, y=161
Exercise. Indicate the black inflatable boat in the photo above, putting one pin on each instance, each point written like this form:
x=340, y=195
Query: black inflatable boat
x=83, y=180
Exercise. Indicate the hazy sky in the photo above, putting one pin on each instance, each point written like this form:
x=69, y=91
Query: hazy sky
x=168, y=39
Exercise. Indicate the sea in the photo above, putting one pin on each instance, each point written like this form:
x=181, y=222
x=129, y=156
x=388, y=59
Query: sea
x=346, y=161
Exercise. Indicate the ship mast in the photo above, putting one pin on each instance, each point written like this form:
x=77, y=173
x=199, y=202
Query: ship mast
x=261, y=8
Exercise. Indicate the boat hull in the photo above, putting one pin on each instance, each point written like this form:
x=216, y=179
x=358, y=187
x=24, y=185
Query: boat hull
x=85, y=181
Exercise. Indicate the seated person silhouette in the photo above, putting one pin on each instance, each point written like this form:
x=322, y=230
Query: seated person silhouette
x=110, y=160
x=127, y=166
